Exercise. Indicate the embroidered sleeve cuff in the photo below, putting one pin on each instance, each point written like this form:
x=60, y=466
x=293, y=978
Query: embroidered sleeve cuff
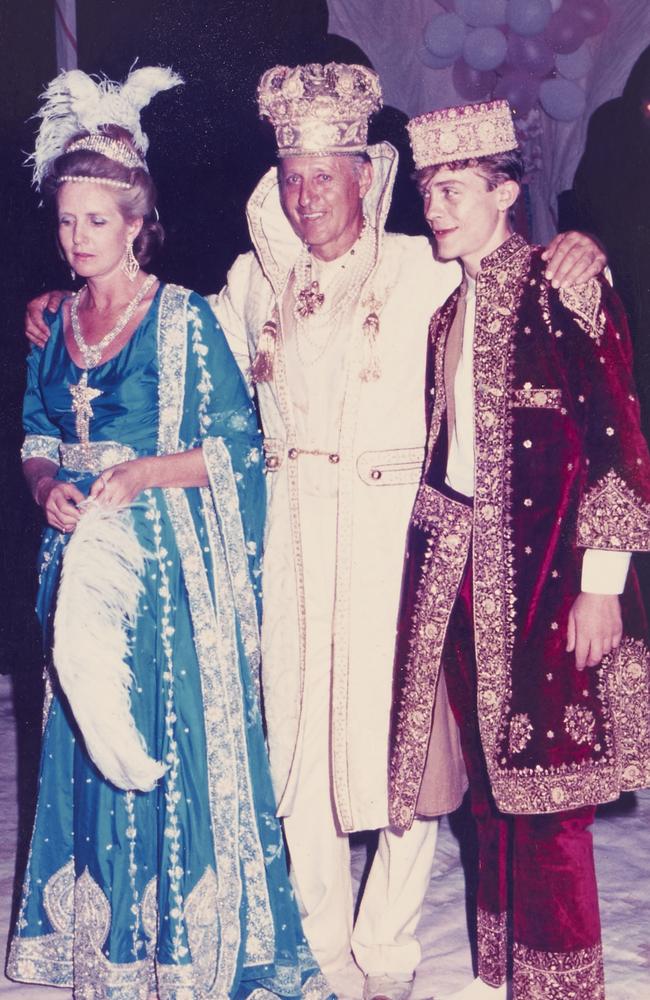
x=612, y=516
x=40, y=446
x=604, y=572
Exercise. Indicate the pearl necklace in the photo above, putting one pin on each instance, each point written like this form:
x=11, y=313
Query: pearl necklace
x=92, y=353
x=354, y=268
x=308, y=297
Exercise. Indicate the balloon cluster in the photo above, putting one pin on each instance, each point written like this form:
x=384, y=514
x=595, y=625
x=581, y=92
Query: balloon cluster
x=522, y=50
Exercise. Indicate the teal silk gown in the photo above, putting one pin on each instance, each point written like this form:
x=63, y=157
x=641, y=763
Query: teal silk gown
x=182, y=891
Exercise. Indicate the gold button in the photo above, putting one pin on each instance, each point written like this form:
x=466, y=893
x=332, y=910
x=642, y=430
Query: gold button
x=375, y=474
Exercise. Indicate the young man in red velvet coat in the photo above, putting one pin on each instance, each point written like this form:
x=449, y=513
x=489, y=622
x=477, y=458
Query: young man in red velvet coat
x=535, y=491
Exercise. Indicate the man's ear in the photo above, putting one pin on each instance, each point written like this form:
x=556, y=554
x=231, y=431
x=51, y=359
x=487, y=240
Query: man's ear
x=507, y=194
x=365, y=178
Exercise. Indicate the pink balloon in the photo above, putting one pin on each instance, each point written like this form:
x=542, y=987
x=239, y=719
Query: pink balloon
x=530, y=54
x=472, y=84
x=519, y=90
x=565, y=31
x=594, y=15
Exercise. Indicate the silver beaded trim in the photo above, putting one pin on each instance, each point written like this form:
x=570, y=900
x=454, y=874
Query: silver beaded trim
x=113, y=149
x=95, y=456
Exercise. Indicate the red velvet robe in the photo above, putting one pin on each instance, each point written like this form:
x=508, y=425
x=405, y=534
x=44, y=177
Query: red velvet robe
x=560, y=466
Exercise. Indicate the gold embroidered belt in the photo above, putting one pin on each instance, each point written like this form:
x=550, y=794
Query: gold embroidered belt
x=95, y=456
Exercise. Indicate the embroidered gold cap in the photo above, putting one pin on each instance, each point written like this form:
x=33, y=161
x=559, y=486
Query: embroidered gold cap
x=319, y=109
x=462, y=133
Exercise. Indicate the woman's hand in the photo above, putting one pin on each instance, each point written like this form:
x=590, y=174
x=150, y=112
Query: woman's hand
x=595, y=628
x=60, y=502
x=121, y=484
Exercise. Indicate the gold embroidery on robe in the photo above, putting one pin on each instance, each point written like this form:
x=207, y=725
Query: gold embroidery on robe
x=611, y=516
x=537, y=397
x=448, y=526
x=492, y=933
x=584, y=302
x=579, y=723
x=520, y=732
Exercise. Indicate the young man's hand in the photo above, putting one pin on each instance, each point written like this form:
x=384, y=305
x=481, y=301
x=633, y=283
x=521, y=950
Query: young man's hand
x=595, y=628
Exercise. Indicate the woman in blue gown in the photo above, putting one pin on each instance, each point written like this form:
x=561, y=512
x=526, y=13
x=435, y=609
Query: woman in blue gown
x=179, y=891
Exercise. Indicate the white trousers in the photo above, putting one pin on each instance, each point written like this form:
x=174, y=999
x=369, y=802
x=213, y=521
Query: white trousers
x=383, y=939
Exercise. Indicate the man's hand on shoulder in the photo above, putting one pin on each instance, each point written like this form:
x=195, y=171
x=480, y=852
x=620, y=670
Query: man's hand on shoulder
x=573, y=258
x=36, y=329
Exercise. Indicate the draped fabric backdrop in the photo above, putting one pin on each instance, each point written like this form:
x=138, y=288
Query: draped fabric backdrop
x=390, y=32
x=65, y=17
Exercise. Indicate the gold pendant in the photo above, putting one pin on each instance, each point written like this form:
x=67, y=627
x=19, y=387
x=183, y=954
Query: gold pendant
x=309, y=300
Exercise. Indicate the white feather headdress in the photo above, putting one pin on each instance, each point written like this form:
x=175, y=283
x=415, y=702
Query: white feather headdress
x=75, y=102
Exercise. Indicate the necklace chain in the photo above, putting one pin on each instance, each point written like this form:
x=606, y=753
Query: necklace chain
x=92, y=353
x=308, y=297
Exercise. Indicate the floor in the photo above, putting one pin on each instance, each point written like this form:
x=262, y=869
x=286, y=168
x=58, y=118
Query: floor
x=622, y=835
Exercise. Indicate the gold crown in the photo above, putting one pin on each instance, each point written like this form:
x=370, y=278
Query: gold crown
x=462, y=133
x=113, y=149
x=319, y=109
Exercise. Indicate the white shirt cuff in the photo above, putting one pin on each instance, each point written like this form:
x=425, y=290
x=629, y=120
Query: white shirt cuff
x=604, y=571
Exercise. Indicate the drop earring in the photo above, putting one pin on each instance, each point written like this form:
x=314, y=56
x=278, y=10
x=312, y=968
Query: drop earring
x=129, y=263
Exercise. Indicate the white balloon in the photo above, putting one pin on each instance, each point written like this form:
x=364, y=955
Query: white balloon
x=481, y=13
x=575, y=65
x=529, y=17
x=444, y=35
x=485, y=48
x=562, y=99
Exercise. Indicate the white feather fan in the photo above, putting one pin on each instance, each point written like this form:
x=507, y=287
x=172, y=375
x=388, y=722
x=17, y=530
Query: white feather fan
x=97, y=605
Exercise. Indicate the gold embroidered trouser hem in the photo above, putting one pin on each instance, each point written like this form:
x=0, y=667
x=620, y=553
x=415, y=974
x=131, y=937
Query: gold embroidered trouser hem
x=492, y=932
x=547, y=975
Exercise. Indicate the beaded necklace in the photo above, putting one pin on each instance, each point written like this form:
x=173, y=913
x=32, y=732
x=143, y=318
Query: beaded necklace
x=316, y=326
x=92, y=353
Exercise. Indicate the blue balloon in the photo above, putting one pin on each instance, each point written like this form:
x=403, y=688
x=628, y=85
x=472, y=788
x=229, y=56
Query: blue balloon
x=529, y=17
x=576, y=64
x=485, y=48
x=444, y=35
x=562, y=99
x=481, y=13
x=434, y=62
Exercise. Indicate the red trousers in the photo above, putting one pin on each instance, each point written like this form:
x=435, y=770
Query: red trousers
x=547, y=860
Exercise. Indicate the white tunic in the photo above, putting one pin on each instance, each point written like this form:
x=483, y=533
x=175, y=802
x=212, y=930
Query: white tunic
x=377, y=429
